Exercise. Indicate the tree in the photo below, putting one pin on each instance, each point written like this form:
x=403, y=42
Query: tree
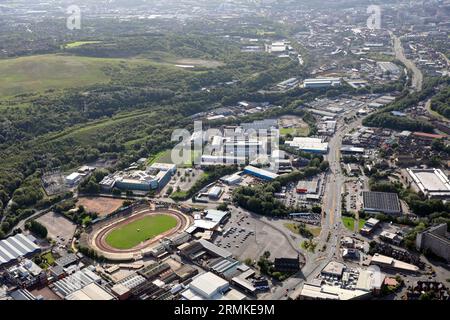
x=324, y=166
x=127, y=203
x=223, y=207
x=37, y=228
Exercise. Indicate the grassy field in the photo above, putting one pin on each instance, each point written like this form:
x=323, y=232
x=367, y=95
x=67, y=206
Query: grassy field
x=165, y=156
x=134, y=233
x=161, y=157
x=293, y=227
x=48, y=257
x=43, y=72
x=295, y=132
x=349, y=223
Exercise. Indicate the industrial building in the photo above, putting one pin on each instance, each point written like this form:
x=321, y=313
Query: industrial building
x=239, y=145
x=197, y=249
x=73, y=179
x=308, y=186
x=390, y=263
x=337, y=282
x=314, y=145
x=265, y=124
x=218, y=216
x=213, y=160
x=154, y=177
x=314, y=290
x=215, y=193
x=433, y=183
x=327, y=127
x=436, y=239
x=391, y=237
x=276, y=47
x=247, y=148
x=26, y=274
x=208, y=286
x=351, y=150
x=321, y=82
x=75, y=282
x=369, y=226
x=17, y=246
x=210, y=222
x=388, y=67
x=260, y=173
x=90, y=292
x=232, y=179
x=288, y=84
x=385, y=202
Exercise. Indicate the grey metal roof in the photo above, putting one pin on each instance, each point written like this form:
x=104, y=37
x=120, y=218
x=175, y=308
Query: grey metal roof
x=16, y=246
x=66, y=260
x=76, y=281
x=381, y=201
x=214, y=249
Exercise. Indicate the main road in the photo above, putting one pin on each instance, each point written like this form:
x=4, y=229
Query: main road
x=332, y=227
x=417, y=76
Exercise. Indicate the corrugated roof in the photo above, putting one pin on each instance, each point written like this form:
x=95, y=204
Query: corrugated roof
x=16, y=246
x=75, y=281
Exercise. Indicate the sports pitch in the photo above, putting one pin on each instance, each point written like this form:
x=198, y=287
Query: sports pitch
x=135, y=232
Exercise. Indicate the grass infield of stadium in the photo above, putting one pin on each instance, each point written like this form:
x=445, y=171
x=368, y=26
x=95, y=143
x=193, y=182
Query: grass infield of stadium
x=146, y=228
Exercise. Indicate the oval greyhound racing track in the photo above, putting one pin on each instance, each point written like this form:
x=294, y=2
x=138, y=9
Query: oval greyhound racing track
x=98, y=238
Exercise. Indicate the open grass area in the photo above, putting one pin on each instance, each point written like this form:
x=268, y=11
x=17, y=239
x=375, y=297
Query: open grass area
x=295, y=132
x=165, y=156
x=161, y=157
x=349, y=223
x=309, y=245
x=49, y=259
x=52, y=71
x=294, y=228
x=132, y=234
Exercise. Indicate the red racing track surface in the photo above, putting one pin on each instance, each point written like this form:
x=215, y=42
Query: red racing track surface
x=99, y=237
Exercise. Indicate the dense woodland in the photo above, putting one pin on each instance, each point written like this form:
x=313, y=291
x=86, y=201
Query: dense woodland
x=383, y=118
x=441, y=102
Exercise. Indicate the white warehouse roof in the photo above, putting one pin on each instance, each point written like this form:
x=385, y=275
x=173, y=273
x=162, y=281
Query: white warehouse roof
x=16, y=246
x=312, y=144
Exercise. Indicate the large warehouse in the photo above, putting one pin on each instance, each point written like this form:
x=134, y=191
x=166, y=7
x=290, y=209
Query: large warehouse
x=321, y=82
x=385, y=202
x=314, y=145
x=260, y=173
x=15, y=247
x=432, y=182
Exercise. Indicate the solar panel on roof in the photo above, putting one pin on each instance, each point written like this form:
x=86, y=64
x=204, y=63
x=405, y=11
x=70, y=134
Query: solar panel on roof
x=381, y=201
